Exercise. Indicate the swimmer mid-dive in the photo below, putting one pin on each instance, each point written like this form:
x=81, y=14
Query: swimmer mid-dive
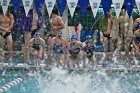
x=88, y=47
x=37, y=46
x=74, y=52
x=58, y=49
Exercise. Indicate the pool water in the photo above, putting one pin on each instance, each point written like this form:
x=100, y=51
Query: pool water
x=62, y=81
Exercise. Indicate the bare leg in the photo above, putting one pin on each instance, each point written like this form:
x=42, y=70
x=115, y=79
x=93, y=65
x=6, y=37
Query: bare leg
x=70, y=61
x=111, y=49
x=55, y=59
x=62, y=57
x=35, y=55
x=48, y=58
x=1, y=56
x=2, y=43
x=137, y=54
x=84, y=61
x=10, y=49
x=119, y=45
x=105, y=48
x=27, y=37
x=40, y=55
x=94, y=61
x=127, y=47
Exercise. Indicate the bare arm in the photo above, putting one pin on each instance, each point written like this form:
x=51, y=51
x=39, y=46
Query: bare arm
x=8, y=29
x=135, y=44
x=101, y=37
x=128, y=22
x=131, y=24
x=135, y=22
x=34, y=22
x=11, y=23
x=61, y=23
x=43, y=43
x=51, y=43
x=31, y=42
x=2, y=28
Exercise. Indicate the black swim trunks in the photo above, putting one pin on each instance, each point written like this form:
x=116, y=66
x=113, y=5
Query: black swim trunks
x=107, y=36
x=33, y=32
x=6, y=35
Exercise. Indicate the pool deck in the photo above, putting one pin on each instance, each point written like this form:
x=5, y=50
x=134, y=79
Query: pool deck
x=42, y=66
x=21, y=66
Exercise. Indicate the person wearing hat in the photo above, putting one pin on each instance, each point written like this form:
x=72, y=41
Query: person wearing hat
x=88, y=47
x=37, y=46
x=74, y=54
x=57, y=49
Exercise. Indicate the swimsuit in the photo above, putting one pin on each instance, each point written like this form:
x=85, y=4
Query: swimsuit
x=89, y=50
x=57, y=48
x=74, y=50
x=6, y=35
x=36, y=46
x=107, y=36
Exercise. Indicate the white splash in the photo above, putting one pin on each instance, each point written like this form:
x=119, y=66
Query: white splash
x=61, y=81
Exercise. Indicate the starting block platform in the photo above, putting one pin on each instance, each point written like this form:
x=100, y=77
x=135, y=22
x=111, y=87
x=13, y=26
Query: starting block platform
x=23, y=67
x=129, y=70
x=44, y=67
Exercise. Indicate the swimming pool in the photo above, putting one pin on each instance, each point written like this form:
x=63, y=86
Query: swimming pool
x=64, y=81
x=61, y=81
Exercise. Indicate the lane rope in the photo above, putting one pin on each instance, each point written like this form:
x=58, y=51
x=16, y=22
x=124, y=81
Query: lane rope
x=7, y=86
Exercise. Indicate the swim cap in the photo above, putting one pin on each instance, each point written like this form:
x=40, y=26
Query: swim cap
x=59, y=31
x=88, y=37
x=73, y=37
x=37, y=33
